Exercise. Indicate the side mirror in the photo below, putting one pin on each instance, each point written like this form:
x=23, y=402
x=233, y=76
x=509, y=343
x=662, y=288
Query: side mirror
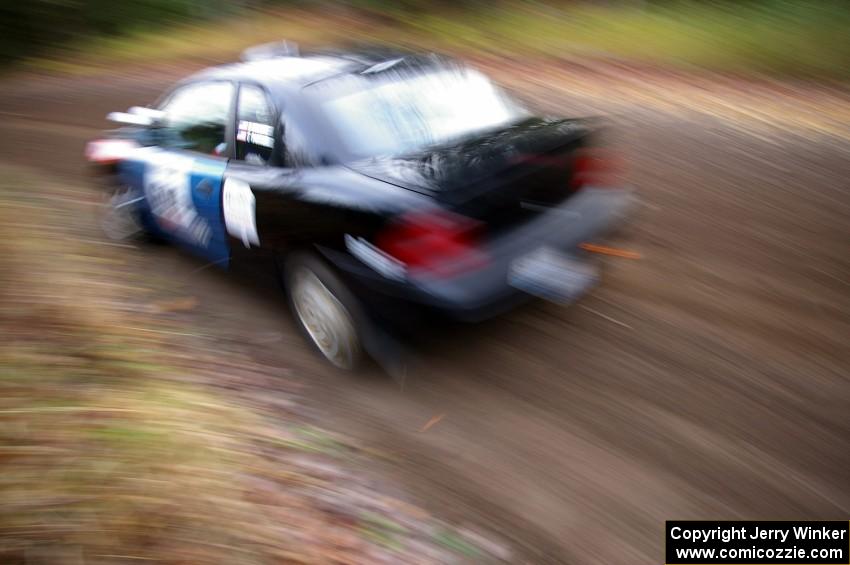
x=136, y=116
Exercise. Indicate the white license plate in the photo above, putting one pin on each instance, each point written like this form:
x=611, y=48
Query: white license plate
x=552, y=274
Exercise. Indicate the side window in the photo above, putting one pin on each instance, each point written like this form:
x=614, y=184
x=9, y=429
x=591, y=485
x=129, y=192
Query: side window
x=196, y=117
x=254, y=125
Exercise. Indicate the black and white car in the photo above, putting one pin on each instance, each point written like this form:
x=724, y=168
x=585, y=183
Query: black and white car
x=386, y=187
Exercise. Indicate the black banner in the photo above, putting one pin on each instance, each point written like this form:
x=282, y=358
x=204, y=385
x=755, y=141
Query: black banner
x=757, y=543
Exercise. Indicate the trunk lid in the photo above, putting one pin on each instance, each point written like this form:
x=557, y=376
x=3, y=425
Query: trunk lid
x=501, y=177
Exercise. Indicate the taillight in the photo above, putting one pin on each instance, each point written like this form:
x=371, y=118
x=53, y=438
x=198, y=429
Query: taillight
x=439, y=242
x=596, y=167
x=109, y=151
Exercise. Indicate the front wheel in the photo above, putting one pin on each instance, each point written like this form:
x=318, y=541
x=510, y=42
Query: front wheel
x=118, y=215
x=325, y=311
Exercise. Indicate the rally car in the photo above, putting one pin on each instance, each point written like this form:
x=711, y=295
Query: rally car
x=384, y=185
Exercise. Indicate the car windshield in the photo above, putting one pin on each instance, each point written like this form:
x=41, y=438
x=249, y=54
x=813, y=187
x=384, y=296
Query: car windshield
x=405, y=111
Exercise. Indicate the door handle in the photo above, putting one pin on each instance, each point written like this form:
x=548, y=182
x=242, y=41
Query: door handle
x=204, y=188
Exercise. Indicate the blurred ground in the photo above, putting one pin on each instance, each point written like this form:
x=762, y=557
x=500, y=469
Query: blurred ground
x=128, y=434
x=708, y=380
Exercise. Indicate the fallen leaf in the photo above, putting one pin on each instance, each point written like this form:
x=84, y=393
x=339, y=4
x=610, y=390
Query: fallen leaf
x=431, y=422
x=605, y=250
x=177, y=305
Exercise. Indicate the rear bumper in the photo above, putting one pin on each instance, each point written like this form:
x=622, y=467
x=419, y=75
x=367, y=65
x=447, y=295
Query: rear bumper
x=484, y=292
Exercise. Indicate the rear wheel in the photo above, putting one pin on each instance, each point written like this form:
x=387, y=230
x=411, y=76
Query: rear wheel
x=325, y=311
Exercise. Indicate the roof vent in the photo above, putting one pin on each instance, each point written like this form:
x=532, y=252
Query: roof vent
x=270, y=51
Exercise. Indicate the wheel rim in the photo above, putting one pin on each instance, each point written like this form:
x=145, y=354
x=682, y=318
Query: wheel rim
x=118, y=216
x=326, y=320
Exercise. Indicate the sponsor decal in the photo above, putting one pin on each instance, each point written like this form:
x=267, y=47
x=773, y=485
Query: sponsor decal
x=240, y=215
x=167, y=185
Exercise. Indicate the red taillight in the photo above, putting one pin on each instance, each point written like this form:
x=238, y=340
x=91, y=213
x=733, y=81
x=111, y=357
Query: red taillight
x=440, y=242
x=108, y=151
x=597, y=168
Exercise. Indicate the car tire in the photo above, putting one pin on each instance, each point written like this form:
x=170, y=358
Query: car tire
x=325, y=310
x=118, y=215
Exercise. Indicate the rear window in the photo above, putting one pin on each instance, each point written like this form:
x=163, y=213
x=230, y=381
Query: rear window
x=407, y=110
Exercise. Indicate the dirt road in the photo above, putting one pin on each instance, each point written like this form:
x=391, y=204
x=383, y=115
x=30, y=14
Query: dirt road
x=708, y=380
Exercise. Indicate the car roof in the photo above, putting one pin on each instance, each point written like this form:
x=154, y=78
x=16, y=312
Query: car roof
x=297, y=70
x=300, y=70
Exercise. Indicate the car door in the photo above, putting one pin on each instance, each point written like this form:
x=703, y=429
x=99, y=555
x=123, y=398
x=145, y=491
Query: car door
x=181, y=176
x=253, y=172
x=265, y=203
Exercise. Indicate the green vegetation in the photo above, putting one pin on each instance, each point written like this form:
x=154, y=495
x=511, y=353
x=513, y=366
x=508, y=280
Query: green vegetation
x=34, y=26
x=771, y=36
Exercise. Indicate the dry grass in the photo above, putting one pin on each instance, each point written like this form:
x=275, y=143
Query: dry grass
x=119, y=442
